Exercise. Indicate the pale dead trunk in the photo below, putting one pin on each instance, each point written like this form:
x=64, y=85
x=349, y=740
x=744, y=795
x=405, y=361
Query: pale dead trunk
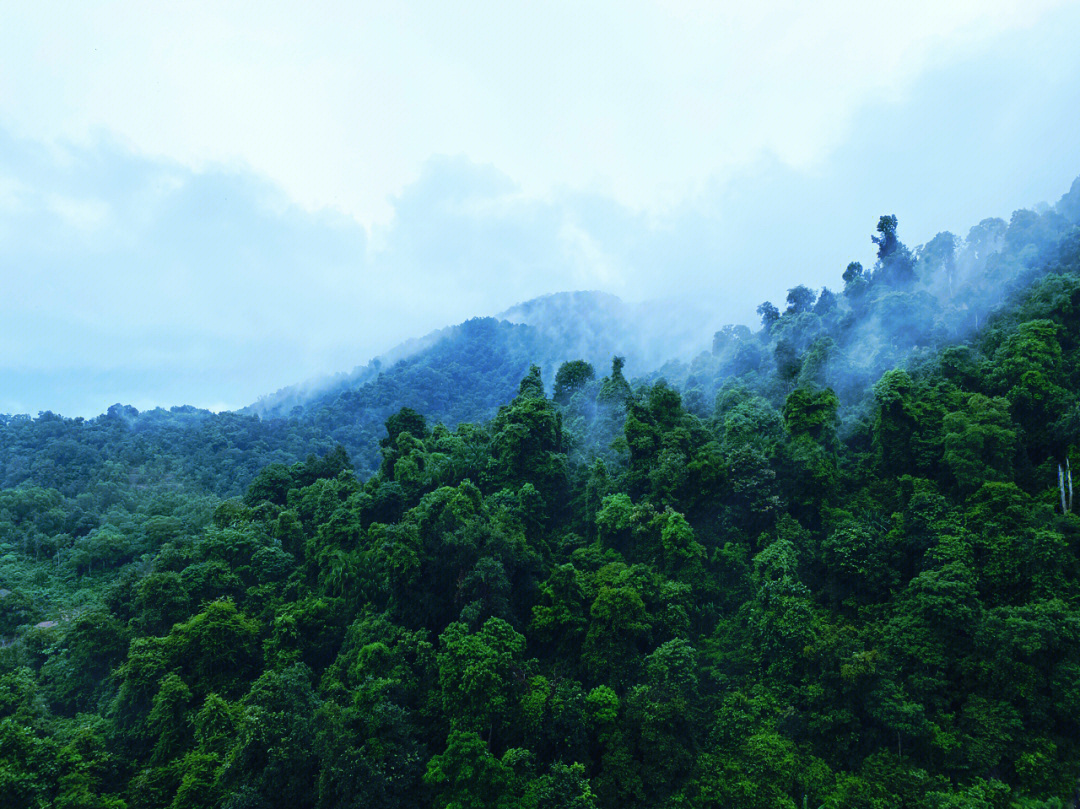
x=1068, y=481
x=1061, y=488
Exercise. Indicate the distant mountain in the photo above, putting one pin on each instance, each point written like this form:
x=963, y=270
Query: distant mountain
x=772, y=578
x=561, y=326
x=896, y=314
x=465, y=372
x=282, y=402
x=593, y=325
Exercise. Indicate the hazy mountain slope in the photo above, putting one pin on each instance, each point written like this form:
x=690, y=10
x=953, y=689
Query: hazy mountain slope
x=465, y=372
x=565, y=325
x=281, y=403
x=897, y=313
x=460, y=373
x=769, y=599
x=593, y=325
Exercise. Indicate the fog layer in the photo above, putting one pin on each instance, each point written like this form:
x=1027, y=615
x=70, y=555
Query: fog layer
x=136, y=279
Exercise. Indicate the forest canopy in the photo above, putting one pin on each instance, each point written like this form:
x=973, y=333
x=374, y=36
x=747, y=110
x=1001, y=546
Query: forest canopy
x=831, y=562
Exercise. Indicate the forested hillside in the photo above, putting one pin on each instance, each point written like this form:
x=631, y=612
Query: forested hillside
x=466, y=372
x=462, y=373
x=833, y=562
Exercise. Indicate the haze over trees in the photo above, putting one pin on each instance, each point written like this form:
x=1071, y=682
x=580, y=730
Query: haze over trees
x=833, y=562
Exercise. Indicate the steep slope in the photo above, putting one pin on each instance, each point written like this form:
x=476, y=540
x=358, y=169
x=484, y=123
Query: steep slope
x=465, y=372
x=766, y=604
x=898, y=313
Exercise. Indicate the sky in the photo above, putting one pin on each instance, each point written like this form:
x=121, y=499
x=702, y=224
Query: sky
x=201, y=203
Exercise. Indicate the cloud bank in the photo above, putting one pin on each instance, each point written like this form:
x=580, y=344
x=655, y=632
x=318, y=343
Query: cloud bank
x=205, y=230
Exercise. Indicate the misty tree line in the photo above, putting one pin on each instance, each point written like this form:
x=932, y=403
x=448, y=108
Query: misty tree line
x=827, y=563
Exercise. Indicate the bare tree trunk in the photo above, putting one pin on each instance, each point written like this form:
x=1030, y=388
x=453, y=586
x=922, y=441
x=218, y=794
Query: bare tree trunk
x=1068, y=480
x=1065, y=484
x=1061, y=488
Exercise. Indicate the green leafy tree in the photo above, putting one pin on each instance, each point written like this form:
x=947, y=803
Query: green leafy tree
x=570, y=378
x=619, y=627
x=215, y=649
x=979, y=442
x=480, y=675
x=769, y=315
x=466, y=775
x=272, y=762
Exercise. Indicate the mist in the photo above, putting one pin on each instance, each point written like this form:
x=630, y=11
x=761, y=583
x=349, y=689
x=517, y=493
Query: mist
x=133, y=277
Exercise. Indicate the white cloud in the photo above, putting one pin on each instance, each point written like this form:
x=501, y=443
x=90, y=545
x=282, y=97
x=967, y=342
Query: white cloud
x=341, y=103
x=165, y=206
x=11, y=191
x=82, y=214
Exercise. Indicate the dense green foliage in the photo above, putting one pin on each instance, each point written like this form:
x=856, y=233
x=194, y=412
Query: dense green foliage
x=464, y=373
x=831, y=563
